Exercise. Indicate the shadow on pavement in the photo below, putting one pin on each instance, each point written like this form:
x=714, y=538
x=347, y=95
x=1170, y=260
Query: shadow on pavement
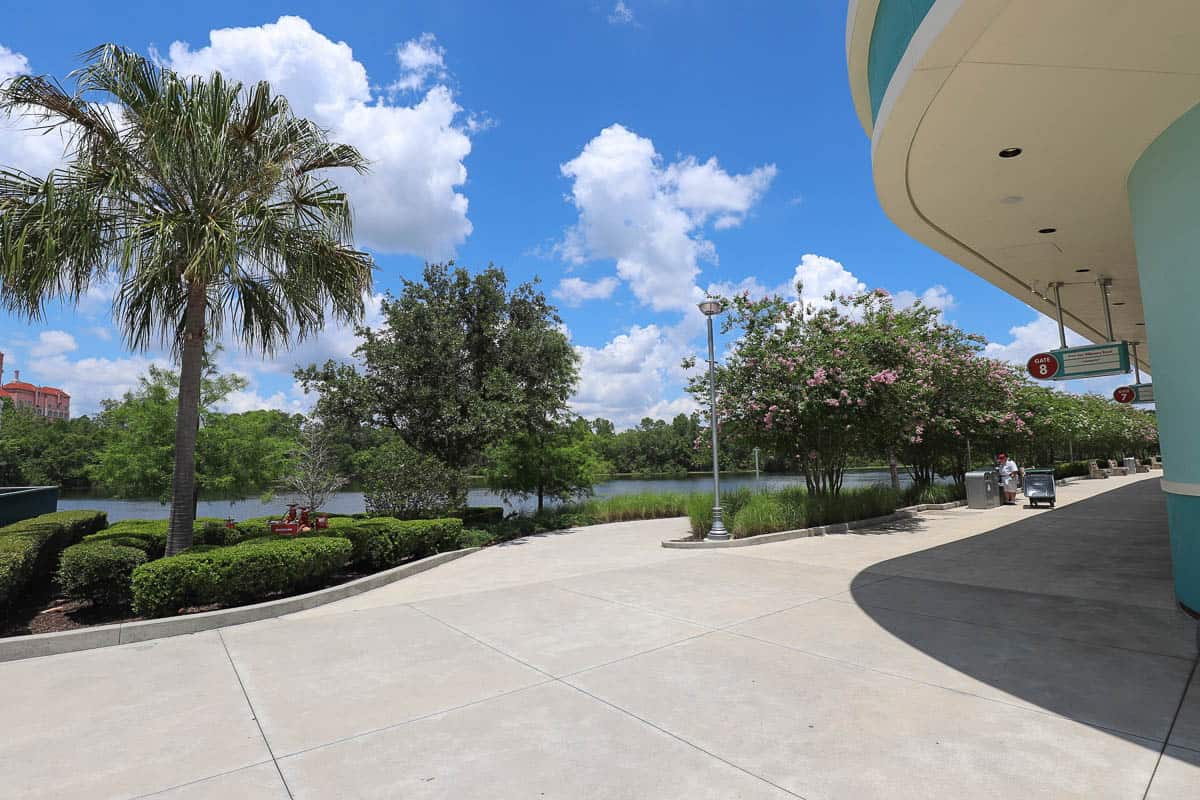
x=1071, y=611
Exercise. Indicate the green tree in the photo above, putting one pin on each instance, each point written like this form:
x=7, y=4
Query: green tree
x=207, y=204
x=401, y=482
x=237, y=454
x=42, y=452
x=458, y=363
x=558, y=462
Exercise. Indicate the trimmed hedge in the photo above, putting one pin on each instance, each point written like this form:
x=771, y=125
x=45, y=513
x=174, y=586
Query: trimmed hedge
x=99, y=571
x=250, y=571
x=29, y=548
x=384, y=542
x=100, y=567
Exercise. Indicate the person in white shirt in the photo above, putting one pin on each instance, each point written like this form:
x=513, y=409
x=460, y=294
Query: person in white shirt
x=1008, y=470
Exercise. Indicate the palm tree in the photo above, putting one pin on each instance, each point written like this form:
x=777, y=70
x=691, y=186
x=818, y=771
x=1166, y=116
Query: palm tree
x=204, y=202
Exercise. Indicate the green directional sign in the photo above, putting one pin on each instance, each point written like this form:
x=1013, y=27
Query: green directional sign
x=1143, y=392
x=1091, y=361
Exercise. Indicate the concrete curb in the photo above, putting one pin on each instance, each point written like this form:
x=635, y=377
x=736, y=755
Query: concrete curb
x=803, y=533
x=15, y=648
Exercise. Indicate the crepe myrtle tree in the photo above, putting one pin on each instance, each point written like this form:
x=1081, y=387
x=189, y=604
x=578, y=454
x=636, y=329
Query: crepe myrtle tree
x=820, y=382
x=204, y=201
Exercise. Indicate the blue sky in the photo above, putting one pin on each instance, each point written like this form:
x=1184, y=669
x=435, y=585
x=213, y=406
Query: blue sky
x=630, y=154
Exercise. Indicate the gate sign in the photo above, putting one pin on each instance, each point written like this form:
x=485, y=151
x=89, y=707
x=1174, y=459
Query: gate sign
x=1092, y=361
x=1043, y=366
x=1124, y=394
x=1144, y=392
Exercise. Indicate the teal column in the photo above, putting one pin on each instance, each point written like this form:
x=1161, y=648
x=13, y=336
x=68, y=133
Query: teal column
x=1164, y=196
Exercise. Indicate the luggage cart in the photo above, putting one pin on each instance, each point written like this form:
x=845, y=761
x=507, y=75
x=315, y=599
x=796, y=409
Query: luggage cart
x=1039, y=486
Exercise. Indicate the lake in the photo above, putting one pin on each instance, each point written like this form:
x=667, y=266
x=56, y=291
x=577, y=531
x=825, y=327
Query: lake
x=352, y=502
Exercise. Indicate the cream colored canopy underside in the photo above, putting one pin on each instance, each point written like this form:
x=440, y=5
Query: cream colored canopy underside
x=1082, y=87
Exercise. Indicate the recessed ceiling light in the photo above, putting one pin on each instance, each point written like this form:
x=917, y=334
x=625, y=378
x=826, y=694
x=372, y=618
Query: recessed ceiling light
x=1084, y=269
x=1010, y=152
x=1047, y=230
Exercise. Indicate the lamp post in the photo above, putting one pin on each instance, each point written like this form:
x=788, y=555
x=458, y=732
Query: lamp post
x=710, y=308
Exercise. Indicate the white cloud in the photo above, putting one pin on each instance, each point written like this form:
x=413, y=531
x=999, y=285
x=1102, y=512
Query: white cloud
x=622, y=14
x=1037, y=336
x=33, y=152
x=819, y=276
x=650, y=218
x=936, y=296
x=409, y=201
x=90, y=380
x=421, y=60
x=574, y=291
x=632, y=376
x=53, y=343
x=250, y=400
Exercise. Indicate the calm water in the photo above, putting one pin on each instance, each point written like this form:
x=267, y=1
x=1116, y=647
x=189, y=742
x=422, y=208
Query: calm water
x=352, y=502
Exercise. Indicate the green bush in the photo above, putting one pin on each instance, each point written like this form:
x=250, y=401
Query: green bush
x=480, y=515
x=100, y=567
x=699, y=508
x=252, y=570
x=475, y=538
x=403, y=483
x=29, y=548
x=384, y=542
x=747, y=513
x=933, y=495
x=1071, y=469
x=99, y=571
x=147, y=535
x=765, y=513
x=643, y=505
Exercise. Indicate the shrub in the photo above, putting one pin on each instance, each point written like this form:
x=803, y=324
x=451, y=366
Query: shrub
x=763, y=514
x=1071, y=469
x=100, y=567
x=252, y=570
x=699, y=509
x=384, y=542
x=403, y=483
x=147, y=535
x=644, y=505
x=29, y=548
x=99, y=571
x=475, y=538
x=934, y=494
x=482, y=515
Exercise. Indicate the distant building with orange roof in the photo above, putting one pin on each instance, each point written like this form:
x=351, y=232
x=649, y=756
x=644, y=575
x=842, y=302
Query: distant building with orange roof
x=45, y=401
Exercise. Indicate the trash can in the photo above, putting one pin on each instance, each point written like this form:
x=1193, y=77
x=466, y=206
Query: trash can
x=1131, y=465
x=983, y=489
x=1039, y=486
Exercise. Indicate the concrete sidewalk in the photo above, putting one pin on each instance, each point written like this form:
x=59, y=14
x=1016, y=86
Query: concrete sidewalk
x=1008, y=653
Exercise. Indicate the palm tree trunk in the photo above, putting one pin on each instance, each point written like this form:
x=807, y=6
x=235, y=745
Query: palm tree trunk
x=187, y=423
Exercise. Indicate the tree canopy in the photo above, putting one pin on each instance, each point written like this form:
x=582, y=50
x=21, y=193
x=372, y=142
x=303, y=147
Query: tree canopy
x=458, y=363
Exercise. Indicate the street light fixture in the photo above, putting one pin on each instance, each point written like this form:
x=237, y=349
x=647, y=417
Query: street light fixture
x=710, y=308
